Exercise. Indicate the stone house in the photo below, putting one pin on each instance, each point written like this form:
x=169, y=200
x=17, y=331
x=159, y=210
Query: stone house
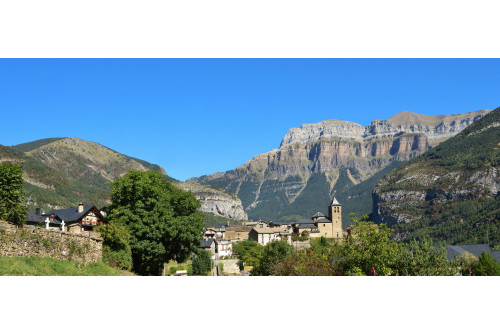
x=50, y=222
x=260, y=223
x=209, y=245
x=264, y=235
x=237, y=233
x=79, y=219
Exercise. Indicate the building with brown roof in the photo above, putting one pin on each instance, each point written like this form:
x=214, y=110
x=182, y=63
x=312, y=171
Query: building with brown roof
x=237, y=233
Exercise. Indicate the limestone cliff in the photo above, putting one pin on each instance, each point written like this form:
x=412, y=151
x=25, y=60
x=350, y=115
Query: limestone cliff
x=216, y=201
x=287, y=181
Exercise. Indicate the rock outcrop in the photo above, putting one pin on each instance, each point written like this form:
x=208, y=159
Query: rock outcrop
x=271, y=184
x=216, y=201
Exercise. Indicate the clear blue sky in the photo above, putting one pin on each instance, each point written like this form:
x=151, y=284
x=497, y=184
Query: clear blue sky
x=199, y=116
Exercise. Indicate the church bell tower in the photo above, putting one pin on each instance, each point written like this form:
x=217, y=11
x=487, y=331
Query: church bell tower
x=335, y=212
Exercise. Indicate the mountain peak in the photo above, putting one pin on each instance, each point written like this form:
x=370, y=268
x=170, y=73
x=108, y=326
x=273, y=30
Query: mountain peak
x=411, y=118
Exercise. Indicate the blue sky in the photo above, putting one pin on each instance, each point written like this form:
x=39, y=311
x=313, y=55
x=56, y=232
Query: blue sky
x=199, y=116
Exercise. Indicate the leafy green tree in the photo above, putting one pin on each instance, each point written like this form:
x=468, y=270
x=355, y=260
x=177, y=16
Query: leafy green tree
x=163, y=221
x=242, y=248
x=424, y=258
x=116, y=251
x=11, y=194
x=486, y=266
x=369, y=246
x=271, y=256
x=201, y=263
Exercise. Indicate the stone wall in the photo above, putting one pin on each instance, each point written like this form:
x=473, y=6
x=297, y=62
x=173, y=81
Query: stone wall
x=35, y=241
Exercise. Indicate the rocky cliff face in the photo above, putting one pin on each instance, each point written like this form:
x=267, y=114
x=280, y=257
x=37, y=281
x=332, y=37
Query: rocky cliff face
x=435, y=128
x=451, y=192
x=271, y=184
x=216, y=201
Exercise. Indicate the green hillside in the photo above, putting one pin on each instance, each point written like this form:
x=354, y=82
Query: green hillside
x=451, y=192
x=44, y=266
x=61, y=172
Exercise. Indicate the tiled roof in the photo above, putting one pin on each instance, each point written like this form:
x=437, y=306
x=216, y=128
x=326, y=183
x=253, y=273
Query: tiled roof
x=264, y=230
x=239, y=228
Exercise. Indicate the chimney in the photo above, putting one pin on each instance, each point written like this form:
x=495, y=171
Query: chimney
x=37, y=211
x=80, y=207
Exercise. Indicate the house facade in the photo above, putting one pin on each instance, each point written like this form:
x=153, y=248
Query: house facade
x=79, y=219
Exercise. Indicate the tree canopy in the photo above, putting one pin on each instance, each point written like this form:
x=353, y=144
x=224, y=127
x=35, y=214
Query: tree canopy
x=163, y=221
x=11, y=194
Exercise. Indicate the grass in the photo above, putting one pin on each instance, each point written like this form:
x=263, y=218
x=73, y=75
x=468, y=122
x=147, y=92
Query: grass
x=172, y=267
x=44, y=266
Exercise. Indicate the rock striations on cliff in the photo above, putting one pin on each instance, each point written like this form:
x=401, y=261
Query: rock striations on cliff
x=451, y=192
x=316, y=160
x=216, y=201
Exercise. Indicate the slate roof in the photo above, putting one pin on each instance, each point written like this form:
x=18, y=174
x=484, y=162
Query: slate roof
x=34, y=218
x=335, y=202
x=318, y=214
x=324, y=220
x=311, y=226
x=281, y=223
x=207, y=243
x=220, y=226
x=453, y=251
x=477, y=249
x=305, y=221
x=71, y=214
x=496, y=255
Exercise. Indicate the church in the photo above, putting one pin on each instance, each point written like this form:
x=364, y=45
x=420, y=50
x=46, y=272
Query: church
x=320, y=225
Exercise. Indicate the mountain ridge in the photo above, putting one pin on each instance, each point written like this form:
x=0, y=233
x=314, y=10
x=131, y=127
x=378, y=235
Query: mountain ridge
x=273, y=185
x=61, y=172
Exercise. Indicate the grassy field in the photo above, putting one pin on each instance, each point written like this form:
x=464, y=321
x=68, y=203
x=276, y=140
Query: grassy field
x=41, y=266
x=173, y=266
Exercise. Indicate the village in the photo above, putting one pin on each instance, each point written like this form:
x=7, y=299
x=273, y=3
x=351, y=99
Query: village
x=217, y=240
x=220, y=239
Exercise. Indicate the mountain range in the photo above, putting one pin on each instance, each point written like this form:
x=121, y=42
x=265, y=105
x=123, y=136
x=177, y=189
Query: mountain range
x=333, y=158
x=61, y=172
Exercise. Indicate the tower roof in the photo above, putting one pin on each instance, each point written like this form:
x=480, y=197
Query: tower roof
x=335, y=202
x=318, y=214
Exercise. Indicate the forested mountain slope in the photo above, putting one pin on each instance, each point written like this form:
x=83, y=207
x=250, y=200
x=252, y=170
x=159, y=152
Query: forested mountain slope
x=451, y=192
